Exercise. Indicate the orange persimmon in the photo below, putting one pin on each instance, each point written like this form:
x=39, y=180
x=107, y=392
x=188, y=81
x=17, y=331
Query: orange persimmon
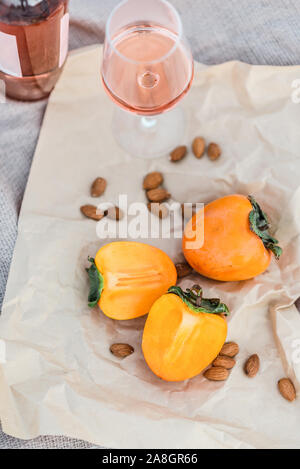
x=183, y=333
x=236, y=245
x=126, y=278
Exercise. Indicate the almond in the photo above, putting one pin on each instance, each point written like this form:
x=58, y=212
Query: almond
x=252, y=366
x=98, y=187
x=216, y=373
x=114, y=213
x=121, y=350
x=230, y=349
x=198, y=147
x=158, y=195
x=152, y=180
x=214, y=151
x=91, y=211
x=178, y=153
x=287, y=389
x=159, y=210
x=225, y=362
x=183, y=269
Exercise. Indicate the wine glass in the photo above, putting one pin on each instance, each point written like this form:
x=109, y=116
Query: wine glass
x=147, y=68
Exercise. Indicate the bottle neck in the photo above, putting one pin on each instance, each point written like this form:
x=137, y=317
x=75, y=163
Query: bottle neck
x=27, y=11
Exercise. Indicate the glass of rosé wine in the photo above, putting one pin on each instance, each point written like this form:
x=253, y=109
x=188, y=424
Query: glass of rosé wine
x=147, y=69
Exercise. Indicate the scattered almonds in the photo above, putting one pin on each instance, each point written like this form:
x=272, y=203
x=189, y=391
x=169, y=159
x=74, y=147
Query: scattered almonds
x=225, y=362
x=287, y=389
x=121, y=350
x=158, y=195
x=160, y=210
x=152, y=180
x=183, y=269
x=114, y=213
x=252, y=366
x=98, y=187
x=230, y=349
x=198, y=147
x=214, y=151
x=178, y=153
x=91, y=211
x=216, y=373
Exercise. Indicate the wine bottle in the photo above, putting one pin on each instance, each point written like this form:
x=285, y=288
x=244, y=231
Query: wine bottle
x=33, y=46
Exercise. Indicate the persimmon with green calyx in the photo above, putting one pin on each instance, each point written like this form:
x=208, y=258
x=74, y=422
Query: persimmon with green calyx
x=126, y=278
x=184, y=333
x=237, y=244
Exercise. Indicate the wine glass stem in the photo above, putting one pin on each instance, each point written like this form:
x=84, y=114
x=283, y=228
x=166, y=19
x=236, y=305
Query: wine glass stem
x=148, y=123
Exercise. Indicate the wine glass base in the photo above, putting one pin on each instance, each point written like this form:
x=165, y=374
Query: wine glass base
x=149, y=137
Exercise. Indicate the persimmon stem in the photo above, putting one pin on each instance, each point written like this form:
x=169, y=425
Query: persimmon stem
x=193, y=298
x=259, y=224
x=96, y=283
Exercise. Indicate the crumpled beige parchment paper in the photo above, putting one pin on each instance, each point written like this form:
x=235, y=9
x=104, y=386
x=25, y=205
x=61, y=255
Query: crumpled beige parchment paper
x=59, y=376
